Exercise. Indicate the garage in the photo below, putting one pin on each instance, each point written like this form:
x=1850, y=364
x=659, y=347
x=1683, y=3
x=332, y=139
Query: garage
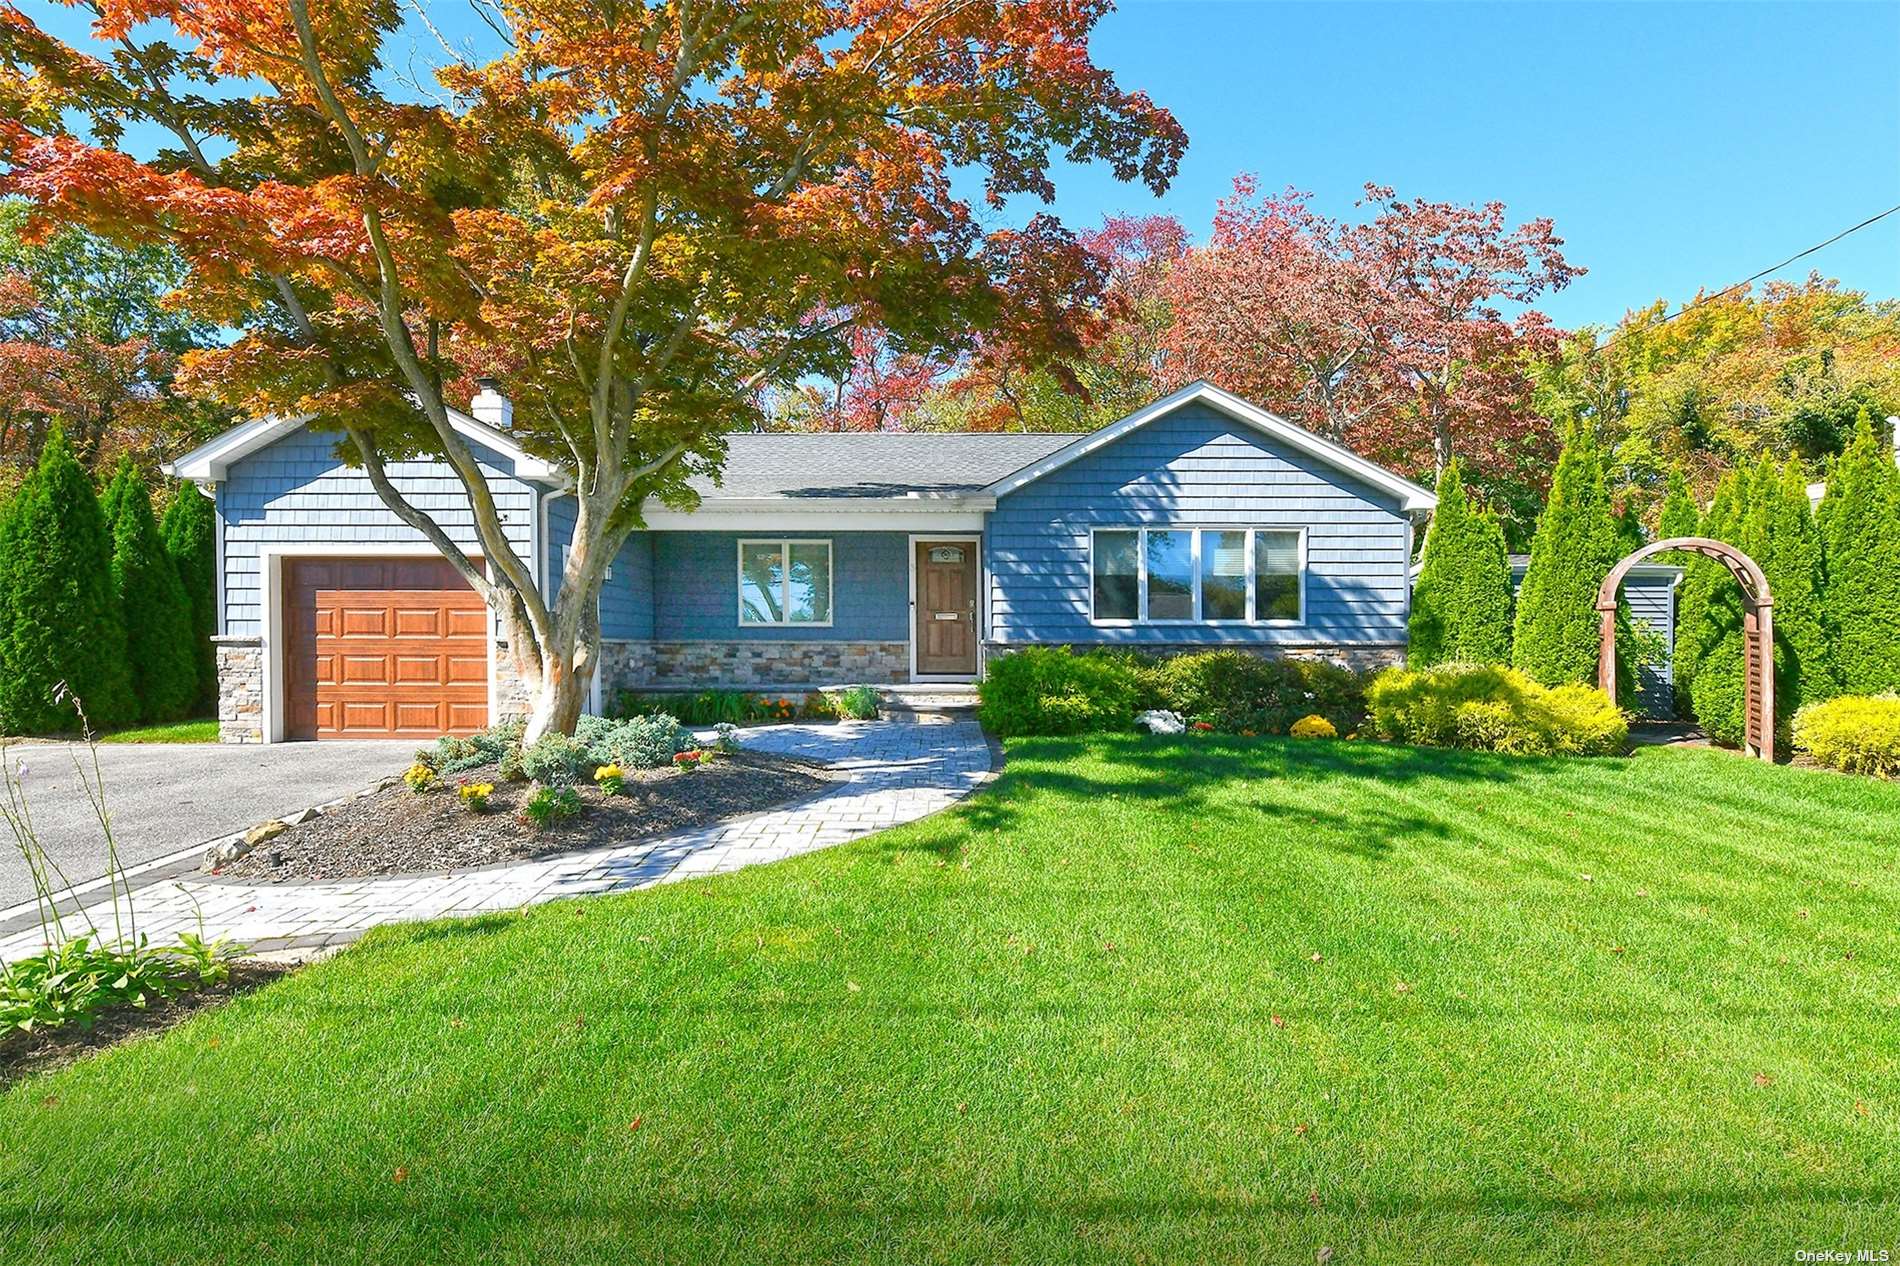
x=382, y=648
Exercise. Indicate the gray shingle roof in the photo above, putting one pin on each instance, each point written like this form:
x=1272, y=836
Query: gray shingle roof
x=873, y=464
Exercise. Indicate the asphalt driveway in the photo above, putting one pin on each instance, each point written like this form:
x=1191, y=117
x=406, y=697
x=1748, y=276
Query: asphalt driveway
x=165, y=797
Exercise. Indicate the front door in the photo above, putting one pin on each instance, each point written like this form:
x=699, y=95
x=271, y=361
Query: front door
x=945, y=603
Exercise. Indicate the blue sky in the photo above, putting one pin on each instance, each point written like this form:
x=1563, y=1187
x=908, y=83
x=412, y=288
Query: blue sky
x=1676, y=146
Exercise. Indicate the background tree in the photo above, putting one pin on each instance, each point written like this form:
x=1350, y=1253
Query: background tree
x=85, y=339
x=1461, y=605
x=152, y=600
x=1860, y=530
x=190, y=532
x=637, y=217
x=59, y=617
x=1387, y=334
x=1555, y=638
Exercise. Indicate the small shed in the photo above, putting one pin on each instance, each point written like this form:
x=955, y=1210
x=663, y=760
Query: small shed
x=1650, y=590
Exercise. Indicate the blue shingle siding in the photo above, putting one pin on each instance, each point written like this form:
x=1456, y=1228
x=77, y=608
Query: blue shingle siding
x=1197, y=468
x=1652, y=601
x=696, y=588
x=626, y=598
x=296, y=492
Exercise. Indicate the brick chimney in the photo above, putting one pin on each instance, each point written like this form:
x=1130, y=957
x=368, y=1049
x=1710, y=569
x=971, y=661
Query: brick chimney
x=491, y=406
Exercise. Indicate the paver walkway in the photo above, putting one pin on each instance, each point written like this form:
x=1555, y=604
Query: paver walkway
x=896, y=771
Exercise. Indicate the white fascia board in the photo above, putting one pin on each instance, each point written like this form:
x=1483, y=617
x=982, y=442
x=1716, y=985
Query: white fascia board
x=780, y=515
x=1411, y=497
x=209, y=462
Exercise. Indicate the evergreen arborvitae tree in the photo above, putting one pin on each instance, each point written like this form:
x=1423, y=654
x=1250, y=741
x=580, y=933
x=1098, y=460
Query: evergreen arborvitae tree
x=157, y=613
x=1461, y=606
x=59, y=617
x=1702, y=580
x=1679, y=516
x=1718, y=687
x=1782, y=537
x=112, y=500
x=190, y=532
x=1860, y=533
x=1555, y=638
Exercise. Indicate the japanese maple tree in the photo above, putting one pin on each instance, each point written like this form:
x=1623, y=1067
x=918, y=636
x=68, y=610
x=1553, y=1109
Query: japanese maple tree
x=637, y=217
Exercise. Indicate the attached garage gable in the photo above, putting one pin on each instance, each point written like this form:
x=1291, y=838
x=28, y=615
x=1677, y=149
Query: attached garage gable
x=382, y=648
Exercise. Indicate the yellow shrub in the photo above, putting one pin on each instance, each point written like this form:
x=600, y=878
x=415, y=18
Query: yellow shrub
x=1858, y=734
x=1313, y=727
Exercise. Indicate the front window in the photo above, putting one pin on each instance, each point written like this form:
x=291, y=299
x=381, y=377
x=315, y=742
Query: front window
x=784, y=582
x=1167, y=575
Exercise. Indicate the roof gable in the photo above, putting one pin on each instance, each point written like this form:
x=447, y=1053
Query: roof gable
x=1409, y=495
x=208, y=463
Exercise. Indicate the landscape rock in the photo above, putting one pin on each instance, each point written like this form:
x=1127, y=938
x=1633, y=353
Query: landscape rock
x=1161, y=721
x=300, y=816
x=264, y=831
x=228, y=849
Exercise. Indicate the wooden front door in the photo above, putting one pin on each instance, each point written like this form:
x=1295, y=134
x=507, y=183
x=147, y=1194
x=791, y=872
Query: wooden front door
x=382, y=648
x=945, y=603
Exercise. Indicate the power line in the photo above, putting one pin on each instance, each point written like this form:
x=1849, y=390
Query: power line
x=1772, y=268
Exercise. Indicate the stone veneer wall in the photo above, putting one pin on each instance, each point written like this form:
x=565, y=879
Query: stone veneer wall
x=513, y=696
x=636, y=665
x=240, y=689
x=1357, y=658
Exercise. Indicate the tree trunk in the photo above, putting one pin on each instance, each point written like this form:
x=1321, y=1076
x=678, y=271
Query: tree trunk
x=559, y=699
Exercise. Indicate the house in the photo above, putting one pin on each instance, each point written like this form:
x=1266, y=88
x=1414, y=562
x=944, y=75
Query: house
x=1650, y=590
x=817, y=559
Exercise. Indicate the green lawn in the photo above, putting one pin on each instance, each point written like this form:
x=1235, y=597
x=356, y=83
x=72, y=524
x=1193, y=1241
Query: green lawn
x=201, y=731
x=1144, y=1000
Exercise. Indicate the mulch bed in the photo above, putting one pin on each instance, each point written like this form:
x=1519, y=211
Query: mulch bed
x=23, y=1054
x=397, y=831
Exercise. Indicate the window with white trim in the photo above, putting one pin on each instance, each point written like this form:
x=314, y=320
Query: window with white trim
x=1169, y=575
x=783, y=582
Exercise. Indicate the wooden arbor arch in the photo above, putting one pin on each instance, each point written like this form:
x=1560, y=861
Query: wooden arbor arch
x=1758, y=630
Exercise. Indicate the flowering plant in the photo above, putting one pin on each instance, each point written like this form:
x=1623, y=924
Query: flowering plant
x=612, y=779
x=1202, y=727
x=783, y=709
x=690, y=761
x=474, y=795
x=418, y=777
x=1313, y=727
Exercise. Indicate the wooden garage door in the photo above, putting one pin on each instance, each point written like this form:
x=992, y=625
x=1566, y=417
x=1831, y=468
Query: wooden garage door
x=382, y=648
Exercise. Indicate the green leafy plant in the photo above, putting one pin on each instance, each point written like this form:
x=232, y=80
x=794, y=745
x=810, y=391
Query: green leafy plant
x=641, y=742
x=856, y=703
x=1491, y=708
x=728, y=736
x=705, y=707
x=1052, y=690
x=550, y=806
x=1858, y=734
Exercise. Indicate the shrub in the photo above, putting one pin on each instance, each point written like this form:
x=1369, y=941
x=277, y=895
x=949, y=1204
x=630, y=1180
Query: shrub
x=728, y=740
x=1461, y=605
x=153, y=603
x=189, y=529
x=1242, y=692
x=1313, y=727
x=1052, y=690
x=642, y=742
x=1491, y=708
x=60, y=620
x=550, y=806
x=556, y=760
x=1858, y=734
